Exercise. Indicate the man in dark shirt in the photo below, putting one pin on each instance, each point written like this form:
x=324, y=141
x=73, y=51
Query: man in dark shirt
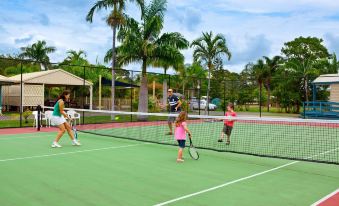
x=174, y=108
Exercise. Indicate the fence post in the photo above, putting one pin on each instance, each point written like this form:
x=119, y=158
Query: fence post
x=260, y=88
x=83, y=95
x=224, y=97
x=21, y=94
x=131, y=96
x=199, y=86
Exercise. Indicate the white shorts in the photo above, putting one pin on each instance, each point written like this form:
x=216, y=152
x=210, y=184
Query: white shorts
x=56, y=120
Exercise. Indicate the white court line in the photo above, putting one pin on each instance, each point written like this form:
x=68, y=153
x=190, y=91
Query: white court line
x=224, y=185
x=66, y=153
x=238, y=180
x=325, y=198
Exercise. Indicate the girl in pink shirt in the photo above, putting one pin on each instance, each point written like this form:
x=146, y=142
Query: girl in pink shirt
x=180, y=133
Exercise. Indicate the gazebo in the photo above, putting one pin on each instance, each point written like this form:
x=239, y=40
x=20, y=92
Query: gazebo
x=331, y=80
x=33, y=86
x=3, y=81
x=324, y=108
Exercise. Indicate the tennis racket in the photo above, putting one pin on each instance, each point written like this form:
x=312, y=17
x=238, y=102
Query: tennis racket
x=75, y=132
x=192, y=150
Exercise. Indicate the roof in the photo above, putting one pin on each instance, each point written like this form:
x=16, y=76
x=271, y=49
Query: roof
x=327, y=79
x=5, y=80
x=51, y=77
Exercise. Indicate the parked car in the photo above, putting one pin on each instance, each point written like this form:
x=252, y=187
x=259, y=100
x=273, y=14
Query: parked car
x=195, y=105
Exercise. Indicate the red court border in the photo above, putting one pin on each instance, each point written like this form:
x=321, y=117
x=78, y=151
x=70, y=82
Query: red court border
x=329, y=200
x=26, y=130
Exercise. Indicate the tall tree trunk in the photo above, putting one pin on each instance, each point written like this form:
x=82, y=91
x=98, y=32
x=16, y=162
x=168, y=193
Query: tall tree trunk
x=143, y=94
x=164, y=88
x=113, y=72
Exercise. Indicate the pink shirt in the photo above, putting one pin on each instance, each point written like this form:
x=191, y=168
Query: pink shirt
x=228, y=122
x=180, y=133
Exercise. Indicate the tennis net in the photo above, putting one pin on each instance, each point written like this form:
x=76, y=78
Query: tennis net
x=288, y=138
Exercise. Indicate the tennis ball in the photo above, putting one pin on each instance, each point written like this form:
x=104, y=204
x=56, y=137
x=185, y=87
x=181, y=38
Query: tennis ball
x=117, y=118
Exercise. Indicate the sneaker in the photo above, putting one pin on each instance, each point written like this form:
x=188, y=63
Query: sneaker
x=180, y=160
x=169, y=133
x=228, y=142
x=75, y=143
x=55, y=144
x=219, y=140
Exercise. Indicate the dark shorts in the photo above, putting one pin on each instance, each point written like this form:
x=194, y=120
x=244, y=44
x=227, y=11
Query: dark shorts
x=172, y=119
x=181, y=143
x=227, y=130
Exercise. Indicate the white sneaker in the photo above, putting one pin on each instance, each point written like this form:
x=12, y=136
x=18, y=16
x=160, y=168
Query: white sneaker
x=55, y=144
x=75, y=143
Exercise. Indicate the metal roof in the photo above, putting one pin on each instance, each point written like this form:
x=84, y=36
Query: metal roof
x=51, y=77
x=327, y=79
x=5, y=80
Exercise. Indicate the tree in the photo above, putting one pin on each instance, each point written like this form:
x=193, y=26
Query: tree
x=332, y=66
x=39, y=52
x=175, y=64
x=259, y=72
x=142, y=42
x=76, y=56
x=114, y=19
x=272, y=65
x=207, y=49
x=195, y=72
x=302, y=54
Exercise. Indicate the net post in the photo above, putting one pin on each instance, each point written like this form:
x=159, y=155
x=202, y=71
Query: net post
x=304, y=108
x=39, y=109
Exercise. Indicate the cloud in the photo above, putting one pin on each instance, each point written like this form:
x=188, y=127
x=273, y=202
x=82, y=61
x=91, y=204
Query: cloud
x=189, y=17
x=8, y=49
x=251, y=49
x=23, y=40
x=43, y=19
x=252, y=29
x=332, y=42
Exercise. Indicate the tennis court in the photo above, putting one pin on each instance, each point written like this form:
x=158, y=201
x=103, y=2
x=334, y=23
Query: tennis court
x=116, y=171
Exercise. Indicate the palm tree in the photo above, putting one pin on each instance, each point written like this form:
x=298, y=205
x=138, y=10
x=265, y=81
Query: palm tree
x=259, y=72
x=304, y=71
x=75, y=56
x=39, y=52
x=196, y=72
x=272, y=65
x=175, y=63
x=114, y=19
x=207, y=49
x=142, y=42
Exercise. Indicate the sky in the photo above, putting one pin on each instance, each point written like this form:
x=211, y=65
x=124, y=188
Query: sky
x=253, y=28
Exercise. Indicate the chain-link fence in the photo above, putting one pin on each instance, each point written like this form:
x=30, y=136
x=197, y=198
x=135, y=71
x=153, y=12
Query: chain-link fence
x=27, y=84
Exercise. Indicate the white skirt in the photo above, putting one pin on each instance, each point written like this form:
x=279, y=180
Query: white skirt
x=56, y=120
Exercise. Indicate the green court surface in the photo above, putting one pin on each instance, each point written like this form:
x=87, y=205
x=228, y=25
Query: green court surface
x=108, y=171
